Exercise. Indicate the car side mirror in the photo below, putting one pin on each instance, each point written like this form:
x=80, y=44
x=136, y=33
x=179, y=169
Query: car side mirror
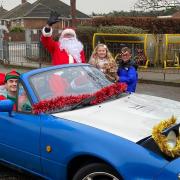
x=6, y=106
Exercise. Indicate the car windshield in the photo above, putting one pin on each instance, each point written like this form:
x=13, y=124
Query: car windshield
x=68, y=81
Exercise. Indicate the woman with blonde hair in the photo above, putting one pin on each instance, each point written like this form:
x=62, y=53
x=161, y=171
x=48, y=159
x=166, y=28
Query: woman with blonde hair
x=102, y=59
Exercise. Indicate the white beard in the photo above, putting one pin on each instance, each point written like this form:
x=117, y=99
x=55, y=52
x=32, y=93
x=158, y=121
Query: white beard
x=72, y=46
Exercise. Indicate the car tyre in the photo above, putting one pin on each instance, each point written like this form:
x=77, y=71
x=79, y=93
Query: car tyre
x=96, y=171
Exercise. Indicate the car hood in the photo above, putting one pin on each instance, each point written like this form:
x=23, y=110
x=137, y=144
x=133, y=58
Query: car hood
x=131, y=117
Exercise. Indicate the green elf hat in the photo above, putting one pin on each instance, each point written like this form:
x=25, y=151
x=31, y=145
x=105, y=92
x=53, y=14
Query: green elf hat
x=12, y=75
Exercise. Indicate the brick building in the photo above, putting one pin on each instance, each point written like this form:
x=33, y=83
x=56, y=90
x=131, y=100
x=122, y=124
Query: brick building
x=34, y=16
x=2, y=11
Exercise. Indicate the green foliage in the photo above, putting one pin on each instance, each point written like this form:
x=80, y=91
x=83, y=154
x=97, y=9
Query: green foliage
x=86, y=29
x=85, y=33
x=17, y=29
x=148, y=24
x=156, y=5
x=120, y=30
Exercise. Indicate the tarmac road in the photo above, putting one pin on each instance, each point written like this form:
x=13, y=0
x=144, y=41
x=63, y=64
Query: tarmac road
x=169, y=92
x=9, y=174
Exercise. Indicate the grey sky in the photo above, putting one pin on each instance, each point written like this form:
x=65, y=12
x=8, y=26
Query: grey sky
x=86, y=6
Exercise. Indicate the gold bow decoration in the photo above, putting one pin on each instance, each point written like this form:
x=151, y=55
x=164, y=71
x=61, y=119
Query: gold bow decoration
x=161, y=139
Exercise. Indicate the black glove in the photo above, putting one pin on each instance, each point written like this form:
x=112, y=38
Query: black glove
x=47, y=29
x=53, y=18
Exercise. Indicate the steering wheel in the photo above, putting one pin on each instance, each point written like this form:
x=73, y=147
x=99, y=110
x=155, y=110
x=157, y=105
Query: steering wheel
x=81, y=85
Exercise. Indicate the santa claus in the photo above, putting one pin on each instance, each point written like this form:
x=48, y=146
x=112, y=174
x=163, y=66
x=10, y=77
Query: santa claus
x=68, y=49
x=65, y=51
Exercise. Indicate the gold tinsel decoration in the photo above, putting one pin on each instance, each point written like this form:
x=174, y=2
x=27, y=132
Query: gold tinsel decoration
x=161, y=139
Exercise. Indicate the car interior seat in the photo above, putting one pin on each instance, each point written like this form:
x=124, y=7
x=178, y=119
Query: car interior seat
x=58, y=85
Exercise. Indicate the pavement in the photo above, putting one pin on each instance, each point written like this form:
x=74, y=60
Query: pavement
x=160, y=76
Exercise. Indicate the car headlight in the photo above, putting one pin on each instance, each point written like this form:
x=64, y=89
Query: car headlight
x=171, y=139
x=166, y=135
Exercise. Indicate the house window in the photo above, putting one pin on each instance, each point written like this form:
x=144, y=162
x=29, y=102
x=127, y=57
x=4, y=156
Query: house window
x=34, y=31
x=67, y=23
x=22, y=22
x=63, y=24
x=18, y=22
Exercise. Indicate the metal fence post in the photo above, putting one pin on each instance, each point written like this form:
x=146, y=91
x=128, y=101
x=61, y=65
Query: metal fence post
x=6, y=51
x=164, y=73
x=28, y=43
x=1, y=44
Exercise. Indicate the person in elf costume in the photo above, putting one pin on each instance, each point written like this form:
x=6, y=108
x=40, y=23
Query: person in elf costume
x=65, y=51
x=11, y=80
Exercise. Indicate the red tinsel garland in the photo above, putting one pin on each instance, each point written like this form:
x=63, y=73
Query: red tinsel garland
x=63, y=101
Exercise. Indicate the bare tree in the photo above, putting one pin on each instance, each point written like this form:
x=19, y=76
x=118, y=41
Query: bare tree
x=155, y=5
x=73, y=12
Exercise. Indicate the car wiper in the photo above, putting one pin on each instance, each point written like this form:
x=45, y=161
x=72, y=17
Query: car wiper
x=87, y=101
x=122, y=94
x=117, y=96
x=84, y=102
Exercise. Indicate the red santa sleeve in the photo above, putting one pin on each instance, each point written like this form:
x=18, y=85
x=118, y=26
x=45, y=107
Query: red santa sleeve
x=83, y=59
x=47, y=40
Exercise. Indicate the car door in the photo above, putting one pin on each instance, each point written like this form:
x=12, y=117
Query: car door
x=20, y=136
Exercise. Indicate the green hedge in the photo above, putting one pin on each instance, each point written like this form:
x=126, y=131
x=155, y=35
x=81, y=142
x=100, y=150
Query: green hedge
x=150, y=24
x=17, y=29
x=120, y=30
x=85, y=33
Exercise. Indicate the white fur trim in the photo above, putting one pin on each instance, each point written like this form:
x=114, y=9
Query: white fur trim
x=68, y=31
x=49, y=34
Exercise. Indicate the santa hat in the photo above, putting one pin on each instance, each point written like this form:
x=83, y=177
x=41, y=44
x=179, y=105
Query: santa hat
x=12, y=75
x=68, y=31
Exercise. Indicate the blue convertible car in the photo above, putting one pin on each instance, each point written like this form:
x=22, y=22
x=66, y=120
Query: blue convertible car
x=71, y=123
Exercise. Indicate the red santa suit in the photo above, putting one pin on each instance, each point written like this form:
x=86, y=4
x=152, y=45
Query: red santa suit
x=59, y=55
x=2, y=78
x=2, y=86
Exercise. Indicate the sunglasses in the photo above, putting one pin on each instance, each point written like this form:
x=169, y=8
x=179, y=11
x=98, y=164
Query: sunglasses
x=125, y=54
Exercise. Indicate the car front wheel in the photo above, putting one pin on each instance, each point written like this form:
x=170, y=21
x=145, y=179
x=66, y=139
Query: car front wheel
x=96, y=171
